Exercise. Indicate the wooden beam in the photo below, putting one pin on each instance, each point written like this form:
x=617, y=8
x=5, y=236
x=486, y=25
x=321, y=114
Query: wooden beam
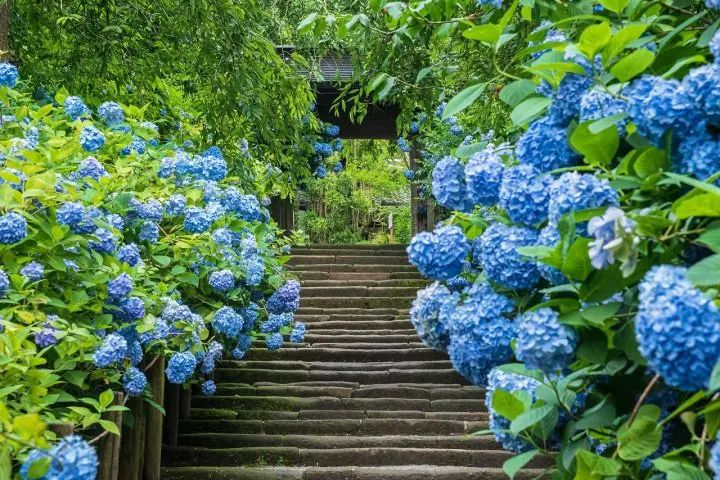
x=172, y=414
x=132, y=442
x=5, y=15
x=109, y=446
x=154, y=419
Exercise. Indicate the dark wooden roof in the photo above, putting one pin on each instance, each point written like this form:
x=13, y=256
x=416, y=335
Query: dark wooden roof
x=331, y=72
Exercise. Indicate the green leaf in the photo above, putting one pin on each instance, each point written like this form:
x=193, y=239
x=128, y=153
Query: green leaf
x=711, y=239
x=594, y=38
x=649, y=162
x=515, y=92
x=513, y=465
x=702, y=205
x=597, y=314
x=528, y=110
x=507, y=405
x=714, y=384
x=576, y=263
x=639, y=440
x=596, y=418
x=488, y=33
x=706, y=272
x=422, y=74
x=39, y=468
x=622, y=38
x=386, y=87
x=162, y=260
x=467, y=151
x=595, y=467
x=531, y=417
x=616, y=6
x=693, y=182
x=597, y=148
x=106, y=398
x=633, y=64
x=463, y=99
x=307, y=23
x=109, y=426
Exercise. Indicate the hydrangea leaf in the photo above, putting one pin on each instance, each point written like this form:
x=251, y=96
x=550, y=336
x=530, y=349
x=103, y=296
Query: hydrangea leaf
x=463, y=99
x=576, y=263
x=594, y=38
x=711, y=239
x=529, y=109
x=531, y=418
x=516, y=463
x=595, y=467
x=597, y=148
x=488, y=33
x=633, y=65
x=622, y=38
x=706, y=272
x=515, y=92
x=639, y=440
x=616, y=6
x=507, y=405
x=697, y=205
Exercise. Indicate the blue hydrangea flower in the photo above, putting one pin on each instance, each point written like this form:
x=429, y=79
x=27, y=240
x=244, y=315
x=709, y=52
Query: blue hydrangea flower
x=214, y=211
x=46, y=336
x=208, y=388
x=544, y=145
x=549, y=237
x=244, y=343
x=409, y=174
x=337, y=144
x=500, y=260
x=524, y=194
x=429, y=315
x=457, y=130
x=338, y=167
x=120, y=286
x=573, y=192
x=448, y=185
x=274, y=341
x=113, y=350
x=132, y=308
x=8, y=75
x=92, y=139
x=614, y=238
x=565, y=105
x=698, y=154
x=223, y=236
x=714, y=460
x=196, y=220
x=458, y=284
x=414, y=128
x=105, y=243
x=134, y=382
x=72, y=458
x=544, y=343
x=332, y=130
x=88, y=224
x=700, y=86
x=250, y=315
x=33, y=271
x=111, y=113
x=214, y=168
x=71, y=266
x=323, y=149
x=500, y=426
x=13, y=228
x=489, y=3
x=152, y=210
x=285, y=299
x=297, y=335
x=677, y=328
x=403, y=145
x=70, y=214
x=129, y=254
x=175, y=205
x=4, y=283
x=657, y=105
x=135, y=352
x=481, y=333
x=597, y=103
x=439, y=255
x=715, y=46
x=228, y=322
x=89, y=168
x=483, y=176
x=254, y=270
x=222, y=280
x=181, y=367
x=75, y=107
x=321, y=171
x=149, y=232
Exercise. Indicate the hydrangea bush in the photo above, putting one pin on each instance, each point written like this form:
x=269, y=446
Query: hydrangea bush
x=588, y=242
x=118, y=246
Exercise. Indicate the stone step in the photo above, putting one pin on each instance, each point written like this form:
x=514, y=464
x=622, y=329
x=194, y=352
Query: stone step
x=358, y=291
x=401, y=302
x=358, y=325
x=302, y=251
x=353, y=276
x=346, y=355
x=371, y=345
x=389, y=376
x=351, y=267
x=318, y=330
x=287, y=403
x=355, y=427
x=335, y=457
x=315, y=338
x=227, y=414
x=350, y=246
x=336, y=366
x=352, y=312
x=378, y=391
x=401, y=259
x=404, y=472
x=238, y=440
x=417, y=284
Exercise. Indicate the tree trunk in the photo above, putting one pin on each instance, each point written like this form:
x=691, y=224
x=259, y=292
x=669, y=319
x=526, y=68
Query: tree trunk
x=5, y=11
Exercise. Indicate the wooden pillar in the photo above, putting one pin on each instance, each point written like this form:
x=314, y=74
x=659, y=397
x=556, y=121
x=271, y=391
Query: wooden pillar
x=282, y=211
x=62, y=429
x=109, y=446
x=172, y=414
x=132, y=441
x=185, y=403
x=5, y=14
x=154, y=422
x=414, y=200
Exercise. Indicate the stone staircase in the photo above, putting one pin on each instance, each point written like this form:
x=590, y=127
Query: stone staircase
x=361, y=399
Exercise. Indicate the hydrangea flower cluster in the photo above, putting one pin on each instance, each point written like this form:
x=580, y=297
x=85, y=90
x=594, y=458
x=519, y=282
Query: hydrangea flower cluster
x=484, y=176
x=448, y=184
x=677, y=328
x=13, y=228
x=500, y=426
x=72, y=458
x=500, y=260
x=134, y=382
x=33, y=271
x=525, y=194
x=113, y=350
x=228, y=322
x=544, y=145
x=222, y=280
x=285, y=299
x=439, y=255
x=180, y=367
x=429, y=315
x=92, y=139
x=614, y=239
x=573, y=192
x=544, y=343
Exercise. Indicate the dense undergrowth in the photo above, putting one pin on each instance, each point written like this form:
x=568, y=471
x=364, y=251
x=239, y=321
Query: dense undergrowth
x=120, y=246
